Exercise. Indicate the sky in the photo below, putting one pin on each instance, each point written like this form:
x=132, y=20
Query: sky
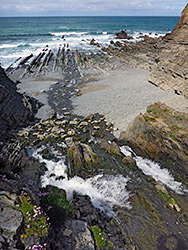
x=91, y=7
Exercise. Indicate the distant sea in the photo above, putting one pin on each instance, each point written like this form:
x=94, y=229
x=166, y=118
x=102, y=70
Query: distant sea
x=21, y=36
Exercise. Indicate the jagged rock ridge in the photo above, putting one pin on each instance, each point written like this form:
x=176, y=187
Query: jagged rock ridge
x=170, y=70
x=16, y=110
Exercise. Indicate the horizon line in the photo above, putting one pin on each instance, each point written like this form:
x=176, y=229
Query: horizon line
x=93, y=16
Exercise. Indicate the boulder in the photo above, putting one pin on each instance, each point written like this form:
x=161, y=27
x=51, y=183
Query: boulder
x=82, y=160
x=93, y=42
x=123, y=35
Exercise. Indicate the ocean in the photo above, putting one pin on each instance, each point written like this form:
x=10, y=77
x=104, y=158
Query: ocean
x=21, y=36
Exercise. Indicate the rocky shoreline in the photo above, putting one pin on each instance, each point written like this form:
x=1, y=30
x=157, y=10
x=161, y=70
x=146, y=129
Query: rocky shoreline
x=66, y=181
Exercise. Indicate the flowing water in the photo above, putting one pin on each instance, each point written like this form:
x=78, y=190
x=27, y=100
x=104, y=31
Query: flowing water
x=105, y=191
x=153, y=169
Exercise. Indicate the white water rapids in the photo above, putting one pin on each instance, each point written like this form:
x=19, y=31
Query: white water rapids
x=153, y=169
x=105, y=191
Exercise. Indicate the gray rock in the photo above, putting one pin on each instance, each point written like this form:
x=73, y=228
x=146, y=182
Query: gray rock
x=83, y=237
x=66, y=113
x=6, y=201
x=67, y=232
x=10, y=219
x=96, y=127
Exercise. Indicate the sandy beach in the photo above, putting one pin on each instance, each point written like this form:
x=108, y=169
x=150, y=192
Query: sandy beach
x=119, y=94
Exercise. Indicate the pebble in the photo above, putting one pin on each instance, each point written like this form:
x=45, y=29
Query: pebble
x=96, y=127
x=71, y=132
x=83, y=124
x=73, y=123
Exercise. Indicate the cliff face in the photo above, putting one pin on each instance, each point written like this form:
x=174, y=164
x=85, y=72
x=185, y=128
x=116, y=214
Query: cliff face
x=171, y=68
x=15, y=109
x=180, y=33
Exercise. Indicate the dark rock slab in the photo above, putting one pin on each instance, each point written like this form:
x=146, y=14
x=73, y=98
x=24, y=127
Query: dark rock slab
x=16, y=110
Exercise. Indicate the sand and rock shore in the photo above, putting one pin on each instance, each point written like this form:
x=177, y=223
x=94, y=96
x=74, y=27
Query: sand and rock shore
x=93, y=147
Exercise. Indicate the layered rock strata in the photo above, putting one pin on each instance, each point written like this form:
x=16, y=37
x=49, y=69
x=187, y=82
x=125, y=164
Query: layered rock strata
x=170, y=70
x=16, y=110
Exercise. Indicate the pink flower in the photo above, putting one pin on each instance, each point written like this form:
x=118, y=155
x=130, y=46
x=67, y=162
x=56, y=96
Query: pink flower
x=28, y=226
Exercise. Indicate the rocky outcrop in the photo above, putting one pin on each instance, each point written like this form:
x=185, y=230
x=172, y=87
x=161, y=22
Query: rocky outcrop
x=123, y=35
x=81, y=157
x=16, y=110
x=180, y=33
x=170, y=68
x=93, y=42
x=162, y=133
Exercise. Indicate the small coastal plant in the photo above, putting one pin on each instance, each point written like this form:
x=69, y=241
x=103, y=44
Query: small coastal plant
x=56, y=206
x=35, y=221
x=98, y=237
